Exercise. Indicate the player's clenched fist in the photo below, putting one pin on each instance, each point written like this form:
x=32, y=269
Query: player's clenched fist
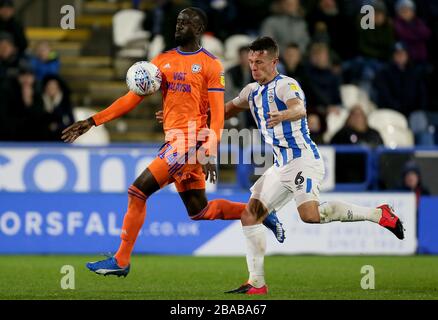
x=275, y=117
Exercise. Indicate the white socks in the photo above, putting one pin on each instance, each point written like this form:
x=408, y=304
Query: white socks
x=255, y=253
x=346, y=212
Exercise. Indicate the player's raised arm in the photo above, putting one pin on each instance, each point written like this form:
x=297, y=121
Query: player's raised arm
x=295, y=111
x=117, y=109
x=216, y=88
x=291, y=95
x=238, y=104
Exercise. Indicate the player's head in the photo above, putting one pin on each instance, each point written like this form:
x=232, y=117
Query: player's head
x=190, y=25
x=263, y=59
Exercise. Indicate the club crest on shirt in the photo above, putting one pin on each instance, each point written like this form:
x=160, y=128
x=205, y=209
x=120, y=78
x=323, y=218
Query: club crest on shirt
x=271, y=95
x=196, y=68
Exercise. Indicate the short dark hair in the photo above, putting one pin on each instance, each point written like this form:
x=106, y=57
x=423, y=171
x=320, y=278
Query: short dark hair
x=265, y=43
x=243, y=49
x=201, y=15
x=293, y=45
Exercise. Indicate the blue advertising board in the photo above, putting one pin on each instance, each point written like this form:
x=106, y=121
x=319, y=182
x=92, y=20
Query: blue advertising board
x=428, y=225
x=91, y=222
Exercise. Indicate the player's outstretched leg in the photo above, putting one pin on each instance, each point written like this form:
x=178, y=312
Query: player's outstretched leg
x=256, y=247
x=391, y=222
x=222, y=209
x=133, y=221
x=345, y=212
x=273, y=223
x=108, y=267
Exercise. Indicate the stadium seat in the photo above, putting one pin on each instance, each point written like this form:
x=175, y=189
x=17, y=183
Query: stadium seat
x=213, y=45
x=334, y=123
x=156, y=46
x=128, y=33
x=422, y=129
x=97, y=135
x=396, y=137
x=232, y=46
x=387, y=117
x=352, y=95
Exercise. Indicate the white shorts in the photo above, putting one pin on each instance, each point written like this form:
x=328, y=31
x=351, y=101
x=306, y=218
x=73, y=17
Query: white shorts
x=299, y=179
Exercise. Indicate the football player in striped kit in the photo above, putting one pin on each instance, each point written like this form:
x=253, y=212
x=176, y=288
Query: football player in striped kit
x=279, y=108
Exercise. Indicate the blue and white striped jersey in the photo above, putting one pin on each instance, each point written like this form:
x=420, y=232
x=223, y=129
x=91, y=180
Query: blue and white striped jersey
x=289, y=139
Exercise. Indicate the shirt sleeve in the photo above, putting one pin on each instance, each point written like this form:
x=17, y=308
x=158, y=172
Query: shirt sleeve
x=216, y=77
x=242, y=100
x=216, y=100
x=289, y=89
x=118, y=108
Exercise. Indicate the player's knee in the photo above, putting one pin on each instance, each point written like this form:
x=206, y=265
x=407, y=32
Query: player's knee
x=309, y=213
x=256, y=209
x=310, y=218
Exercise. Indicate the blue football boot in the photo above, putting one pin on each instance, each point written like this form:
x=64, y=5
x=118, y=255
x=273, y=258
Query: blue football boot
x=108, y=267
x=271, y=222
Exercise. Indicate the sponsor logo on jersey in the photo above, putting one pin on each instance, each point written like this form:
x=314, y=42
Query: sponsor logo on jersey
x=294, y=87
x=222, y=79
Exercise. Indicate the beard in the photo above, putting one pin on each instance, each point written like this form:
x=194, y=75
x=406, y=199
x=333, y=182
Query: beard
x=182, y=40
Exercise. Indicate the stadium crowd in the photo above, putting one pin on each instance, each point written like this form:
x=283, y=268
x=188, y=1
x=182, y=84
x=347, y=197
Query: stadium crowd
x=323, y=46
x=34, y=99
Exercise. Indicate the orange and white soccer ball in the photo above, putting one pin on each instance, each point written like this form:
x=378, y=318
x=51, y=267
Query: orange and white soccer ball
x=143, y=78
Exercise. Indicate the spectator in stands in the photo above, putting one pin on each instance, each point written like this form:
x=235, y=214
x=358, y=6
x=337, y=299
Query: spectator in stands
x=399, y=86
x=374, y=50
x=45, y=61
x=428, y=10
x=412, y=31
x=9, y=57
x=8, y=23
x=162, y=19
x=249, y=15
x=412, y=180
x=357, y=131
x=221, y=14
x=325, y=84
x=57, y=105
x=339, y=27
x=317, y=126
x=378, y=43
x=287, y=26
x=23, y=107
x=294, y=67
x=236, y=78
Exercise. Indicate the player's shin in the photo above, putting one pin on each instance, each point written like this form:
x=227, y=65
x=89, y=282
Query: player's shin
x=256, y=247
x=346, y=212
x=132, y=223
x=221, y=209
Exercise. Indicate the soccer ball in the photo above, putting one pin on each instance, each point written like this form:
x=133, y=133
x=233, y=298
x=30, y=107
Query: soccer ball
x=143, y=78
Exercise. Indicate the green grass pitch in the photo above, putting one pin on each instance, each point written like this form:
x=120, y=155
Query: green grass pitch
x=197, y=278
